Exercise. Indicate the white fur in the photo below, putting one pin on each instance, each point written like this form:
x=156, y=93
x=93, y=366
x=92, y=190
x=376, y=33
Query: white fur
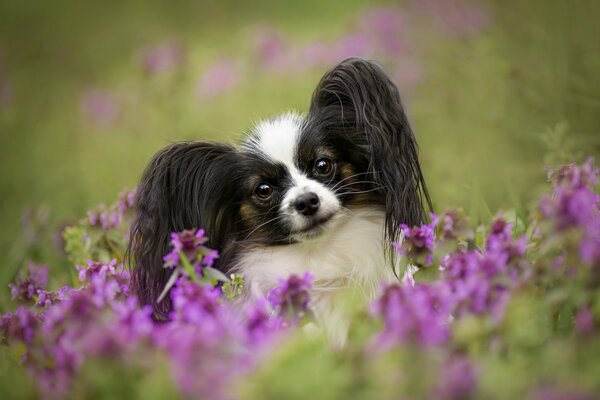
x=348, y=255
x=277, y=138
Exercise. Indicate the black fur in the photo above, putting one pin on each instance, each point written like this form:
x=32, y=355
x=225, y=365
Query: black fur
x=186, y=185
x=356, y=102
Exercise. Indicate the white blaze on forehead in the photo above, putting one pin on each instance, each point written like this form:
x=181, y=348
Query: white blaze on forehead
x=278, y=138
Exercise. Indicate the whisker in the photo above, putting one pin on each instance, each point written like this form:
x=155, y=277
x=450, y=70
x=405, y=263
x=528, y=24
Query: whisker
x=357, y=192
x=263, y=224
x=350, y=177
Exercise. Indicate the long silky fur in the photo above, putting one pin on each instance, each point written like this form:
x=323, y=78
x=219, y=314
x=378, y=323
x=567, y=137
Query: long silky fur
x=186, y=185
x=357, y=100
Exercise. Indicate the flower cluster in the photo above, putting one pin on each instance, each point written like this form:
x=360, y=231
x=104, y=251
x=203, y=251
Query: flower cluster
x=475, y=298
x=417, y=244
x=31, y=282
x=291, y=296
x=190, y=244
x=112, y=217
x=417, y=314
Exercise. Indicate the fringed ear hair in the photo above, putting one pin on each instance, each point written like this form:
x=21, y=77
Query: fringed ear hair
x=182, y=188
x=358, y=101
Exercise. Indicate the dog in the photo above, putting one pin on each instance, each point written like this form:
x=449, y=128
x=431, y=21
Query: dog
x=323, y=192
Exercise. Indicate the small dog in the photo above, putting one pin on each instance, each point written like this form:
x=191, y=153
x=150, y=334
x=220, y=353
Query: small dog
x=323, y=192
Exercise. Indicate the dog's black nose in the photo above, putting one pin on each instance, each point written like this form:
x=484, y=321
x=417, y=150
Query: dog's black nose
x=307, y=203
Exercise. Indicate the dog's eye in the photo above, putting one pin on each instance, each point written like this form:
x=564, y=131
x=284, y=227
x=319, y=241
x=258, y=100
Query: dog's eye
x=323, y=166
x=264, y=190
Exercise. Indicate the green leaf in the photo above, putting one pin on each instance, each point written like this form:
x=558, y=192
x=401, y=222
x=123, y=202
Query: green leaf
x=215, y=274
x=188, y=267
x=169, y=285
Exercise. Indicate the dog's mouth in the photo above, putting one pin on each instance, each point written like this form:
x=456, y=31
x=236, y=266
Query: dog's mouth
x=315, y=227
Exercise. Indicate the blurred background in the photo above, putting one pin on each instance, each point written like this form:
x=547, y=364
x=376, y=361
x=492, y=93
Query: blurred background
x=89, y=91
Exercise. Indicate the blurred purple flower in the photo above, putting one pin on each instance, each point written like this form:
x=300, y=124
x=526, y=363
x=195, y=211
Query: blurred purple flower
x=386, y=28
x=452, y=225
x=575, y=176
x=454, y=17
x=352, y=45
x=209, y=258
x=457, y=380
x=475, y=283
x=414, y=314
x=193, y=302
x=163, y=57
x=260, y=325
x=48, y=298
x=93, y=269
x=20, y=325
x=126, y=200
x=584, y=322
x=221, y=77
x=549, y=393
x=291, y=297
x=417, y=244
x=270, y=48
x=100, y=107
x=570, y=207
x=29, y=282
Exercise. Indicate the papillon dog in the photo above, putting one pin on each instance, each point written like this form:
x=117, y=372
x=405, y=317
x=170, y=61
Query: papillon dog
x=323, y=193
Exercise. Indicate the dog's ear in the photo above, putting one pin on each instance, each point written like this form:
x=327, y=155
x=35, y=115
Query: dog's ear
x=186, y=185
x=357, y=101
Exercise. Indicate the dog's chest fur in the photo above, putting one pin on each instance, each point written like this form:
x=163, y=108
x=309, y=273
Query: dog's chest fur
x=348, y=257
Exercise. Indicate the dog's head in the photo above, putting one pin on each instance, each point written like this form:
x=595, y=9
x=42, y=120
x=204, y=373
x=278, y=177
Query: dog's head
x=289, y=182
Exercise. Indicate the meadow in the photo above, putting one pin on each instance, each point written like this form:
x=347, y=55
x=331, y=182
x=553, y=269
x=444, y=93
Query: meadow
x=498, y=92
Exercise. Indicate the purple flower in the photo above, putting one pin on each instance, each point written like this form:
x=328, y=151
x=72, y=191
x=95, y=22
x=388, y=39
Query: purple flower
x=29, y=282
x=22, y=325
x=190, y=243
x=291, y=298
x=417, y=244
x=194, y=302
x=95, y=269
x=570, y=207
x=48, y=298
x=126, y=201
x=477, y=283
x=100, y=107
x=104, y=218
x=209, y=258
x=162, y=57
x=572, y=175
x=260, y=324
x=415, y=314
x=452, y=225
x=219, y=78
